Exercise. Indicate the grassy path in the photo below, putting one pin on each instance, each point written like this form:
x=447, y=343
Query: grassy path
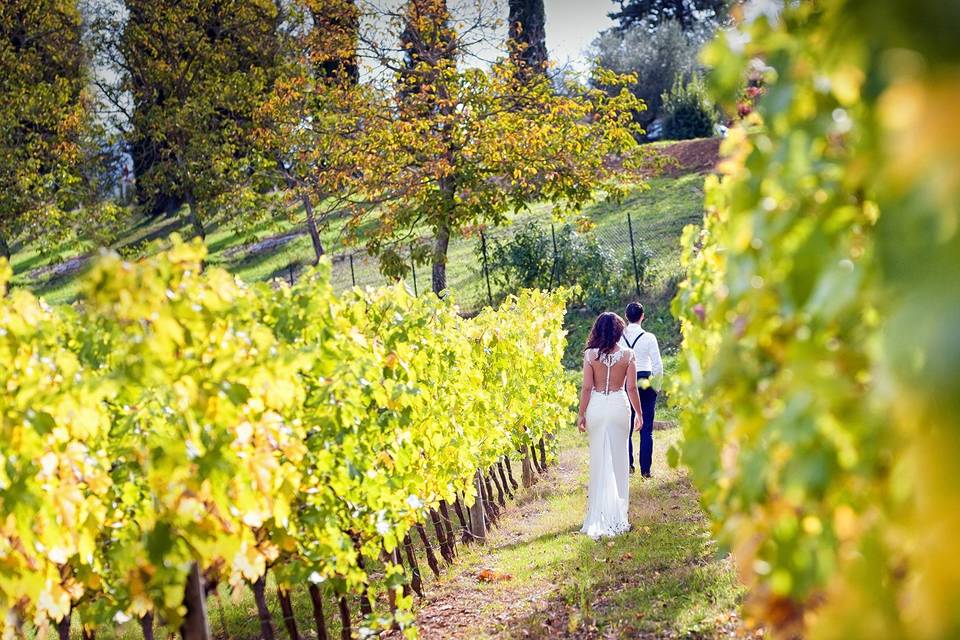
x=664, y=579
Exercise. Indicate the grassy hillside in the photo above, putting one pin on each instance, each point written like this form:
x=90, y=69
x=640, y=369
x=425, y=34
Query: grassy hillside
x=279, y=248
x=271, y=248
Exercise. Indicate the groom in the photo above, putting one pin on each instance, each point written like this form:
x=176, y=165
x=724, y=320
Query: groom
x=649, y=368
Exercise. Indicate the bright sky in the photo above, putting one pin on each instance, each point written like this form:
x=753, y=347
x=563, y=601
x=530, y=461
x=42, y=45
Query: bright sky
x=572, y=25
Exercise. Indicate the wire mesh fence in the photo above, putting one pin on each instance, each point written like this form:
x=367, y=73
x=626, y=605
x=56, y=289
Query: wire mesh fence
x=472, y=277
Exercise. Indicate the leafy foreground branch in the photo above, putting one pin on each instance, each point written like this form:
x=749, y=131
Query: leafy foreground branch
x=820, y=369
x=178, y=429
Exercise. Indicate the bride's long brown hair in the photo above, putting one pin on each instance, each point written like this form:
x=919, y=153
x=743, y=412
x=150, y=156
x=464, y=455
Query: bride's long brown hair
x=606, y=332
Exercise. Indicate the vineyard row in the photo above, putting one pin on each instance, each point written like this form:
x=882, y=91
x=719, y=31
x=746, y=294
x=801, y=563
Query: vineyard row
x=177, y=430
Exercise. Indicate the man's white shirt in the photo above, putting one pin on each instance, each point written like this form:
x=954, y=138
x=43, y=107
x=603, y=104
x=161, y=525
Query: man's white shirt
x=647, y=350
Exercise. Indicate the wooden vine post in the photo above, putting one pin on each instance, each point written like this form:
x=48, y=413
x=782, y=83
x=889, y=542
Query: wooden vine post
x=478, y=521
x=528, y=478
x=195, y=625
x=263, y=613
x=316, y=598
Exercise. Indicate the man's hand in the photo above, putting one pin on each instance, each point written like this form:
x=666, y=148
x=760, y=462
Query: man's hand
x=582, y=424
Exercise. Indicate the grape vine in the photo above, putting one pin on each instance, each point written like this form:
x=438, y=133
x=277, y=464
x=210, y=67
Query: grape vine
x=819, y=376
x=177, y=417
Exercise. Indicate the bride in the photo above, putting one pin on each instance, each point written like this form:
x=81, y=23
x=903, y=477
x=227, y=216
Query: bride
x=605, y=415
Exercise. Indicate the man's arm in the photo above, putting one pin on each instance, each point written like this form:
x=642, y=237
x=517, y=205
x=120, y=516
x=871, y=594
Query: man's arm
x=657, y=364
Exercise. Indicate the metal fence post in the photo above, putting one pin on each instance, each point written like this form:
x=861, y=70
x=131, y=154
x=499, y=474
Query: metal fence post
x=353, y=276
x=553, y=267
x=486, y=270
x=413, y=266
x=633, y=254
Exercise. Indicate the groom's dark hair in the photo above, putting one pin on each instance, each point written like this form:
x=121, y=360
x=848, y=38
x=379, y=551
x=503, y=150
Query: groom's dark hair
x=634, y=311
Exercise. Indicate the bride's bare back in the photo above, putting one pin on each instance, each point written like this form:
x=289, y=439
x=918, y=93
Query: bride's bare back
x=608, y=371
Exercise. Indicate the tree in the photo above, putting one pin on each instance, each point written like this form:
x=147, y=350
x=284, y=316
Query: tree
x=430, y=47
x=462, y=146
x=688, y=112
x=44, y=116
x=655, y=57
x=333, y=39
x=310, y=126
x=197, y=71
x=528, y=35
x=652, y=13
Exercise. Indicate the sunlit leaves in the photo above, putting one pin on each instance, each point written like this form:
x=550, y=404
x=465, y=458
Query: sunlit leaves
x=815, y=302
x=180, y=416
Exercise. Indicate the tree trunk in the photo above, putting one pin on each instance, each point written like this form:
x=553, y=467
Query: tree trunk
x=195, y=626
x=263, y=613
x=431, y=557
x=503, y=480
x=458, y=507
x=345, y=632
x=543, y=454
x=316, y=598
x=441, y=537
x=513, y=482
x=440, y=245
x=365, y=607
x=4, y=247
x=312, y=227
x=194, y=217
x=535, y=459
x=528, y=38
x=489, y=506
x=416, y=580
x=501, y=499
x=289, y=621
x=448, y=527
x=465, y=536
x=398, y=560
x=63, y=627
x=478, y=521
x=146, y=626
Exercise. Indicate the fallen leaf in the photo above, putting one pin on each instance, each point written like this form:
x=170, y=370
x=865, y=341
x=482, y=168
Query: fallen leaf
x=486, y=575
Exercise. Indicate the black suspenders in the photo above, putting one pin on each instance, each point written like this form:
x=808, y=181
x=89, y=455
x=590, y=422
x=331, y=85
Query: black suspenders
x=635, y=340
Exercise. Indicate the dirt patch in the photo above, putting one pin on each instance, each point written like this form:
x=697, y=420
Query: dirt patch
x=691, y=156
x=675, y=159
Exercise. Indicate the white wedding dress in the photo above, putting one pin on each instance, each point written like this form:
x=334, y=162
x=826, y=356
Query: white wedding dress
x=608, y=427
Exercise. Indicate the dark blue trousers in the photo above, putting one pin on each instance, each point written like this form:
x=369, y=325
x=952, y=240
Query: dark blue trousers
x=648, y=404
